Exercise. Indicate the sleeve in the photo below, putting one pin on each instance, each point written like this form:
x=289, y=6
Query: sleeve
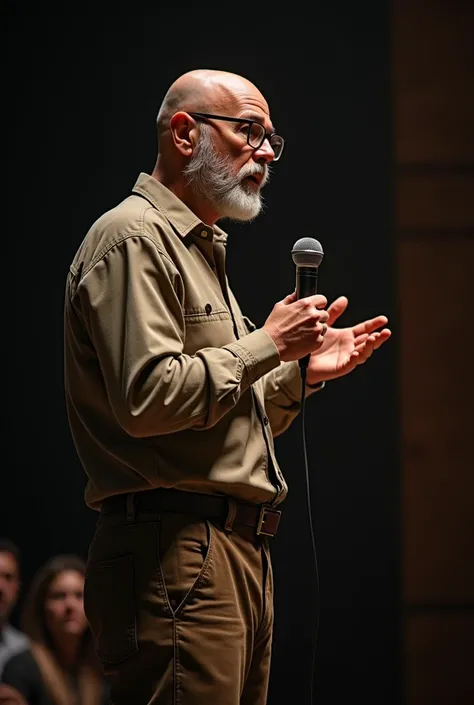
x=282, y=391
x=22, y=673
x=131, y=302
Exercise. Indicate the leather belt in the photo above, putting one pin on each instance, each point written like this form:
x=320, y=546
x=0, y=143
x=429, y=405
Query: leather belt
x=261, y=517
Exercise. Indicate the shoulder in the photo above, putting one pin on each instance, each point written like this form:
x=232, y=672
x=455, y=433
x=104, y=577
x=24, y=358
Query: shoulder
x=21, y=665
x=134, y=217
x=12, y=642
x=22, y=673
x=14, y=638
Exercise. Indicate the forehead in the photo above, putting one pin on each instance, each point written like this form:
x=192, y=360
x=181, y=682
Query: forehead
x=8, y=563
x=67, y=580
x=246, y=101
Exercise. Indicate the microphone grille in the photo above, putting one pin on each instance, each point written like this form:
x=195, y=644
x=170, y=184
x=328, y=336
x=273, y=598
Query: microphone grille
x=307, y=252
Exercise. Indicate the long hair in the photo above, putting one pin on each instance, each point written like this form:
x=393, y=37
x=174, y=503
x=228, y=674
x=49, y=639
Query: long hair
x=34, y=625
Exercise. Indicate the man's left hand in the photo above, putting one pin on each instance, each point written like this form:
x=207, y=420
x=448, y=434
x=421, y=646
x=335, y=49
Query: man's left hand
x=344, y=349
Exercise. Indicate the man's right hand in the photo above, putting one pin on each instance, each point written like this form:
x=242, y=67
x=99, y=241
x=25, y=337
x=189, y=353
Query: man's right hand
x=297, y=326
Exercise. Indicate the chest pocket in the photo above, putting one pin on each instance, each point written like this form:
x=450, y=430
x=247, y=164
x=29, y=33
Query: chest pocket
x=207, y=326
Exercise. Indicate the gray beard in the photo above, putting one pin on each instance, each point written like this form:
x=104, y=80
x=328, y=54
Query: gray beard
x=210, y=175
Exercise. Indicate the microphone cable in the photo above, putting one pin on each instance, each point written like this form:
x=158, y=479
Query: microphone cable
x=303, y=368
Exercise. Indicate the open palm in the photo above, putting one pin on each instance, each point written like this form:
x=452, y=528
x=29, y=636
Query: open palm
x=344, y=349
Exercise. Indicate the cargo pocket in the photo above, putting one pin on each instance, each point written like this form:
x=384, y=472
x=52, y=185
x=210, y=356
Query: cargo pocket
x=109, y=604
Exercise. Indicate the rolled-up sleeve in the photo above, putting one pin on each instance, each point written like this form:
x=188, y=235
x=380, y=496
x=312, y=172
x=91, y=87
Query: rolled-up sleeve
x=131, y=301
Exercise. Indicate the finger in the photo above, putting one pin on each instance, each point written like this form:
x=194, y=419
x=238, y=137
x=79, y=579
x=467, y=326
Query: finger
x=366, y=349
x=318, y=300
x=382, y=338
x=320, y=329
x=323, y=317
x=369, y=342
x=351, y=363
x=370, y=325
x=360, y=339
x=319, y=341
x=337, y=308
x=290, y=298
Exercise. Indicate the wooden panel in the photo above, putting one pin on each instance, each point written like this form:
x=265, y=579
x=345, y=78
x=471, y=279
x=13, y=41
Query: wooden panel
x=439, y=660
x=433, y=77
x=435, y=200
x=437, y=415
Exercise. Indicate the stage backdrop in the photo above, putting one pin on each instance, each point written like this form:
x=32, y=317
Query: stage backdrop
x=85, y=92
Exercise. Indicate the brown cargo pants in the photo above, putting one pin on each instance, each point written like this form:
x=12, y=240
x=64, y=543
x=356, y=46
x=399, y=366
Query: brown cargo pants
x=181, y=610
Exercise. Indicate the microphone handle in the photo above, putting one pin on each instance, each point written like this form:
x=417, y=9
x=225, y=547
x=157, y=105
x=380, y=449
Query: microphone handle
x=306, y=285
x=306, y=282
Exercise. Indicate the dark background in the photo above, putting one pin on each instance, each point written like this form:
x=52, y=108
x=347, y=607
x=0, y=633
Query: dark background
x=84, y=93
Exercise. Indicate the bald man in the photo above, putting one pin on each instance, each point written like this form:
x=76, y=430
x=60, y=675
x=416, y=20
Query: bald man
x=174, y=398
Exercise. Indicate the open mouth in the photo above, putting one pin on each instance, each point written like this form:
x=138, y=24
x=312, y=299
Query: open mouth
x=254, y=179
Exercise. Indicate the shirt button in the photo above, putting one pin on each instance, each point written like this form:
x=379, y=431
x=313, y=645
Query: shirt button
x=208, y=309
x=265, y=420
x=203, y=233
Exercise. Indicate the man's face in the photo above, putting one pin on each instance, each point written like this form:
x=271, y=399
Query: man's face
x=230, y=182
x=9, y=585
x=224, y=169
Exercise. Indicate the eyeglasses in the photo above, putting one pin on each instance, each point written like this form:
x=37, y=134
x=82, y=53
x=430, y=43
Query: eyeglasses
x=256, y=133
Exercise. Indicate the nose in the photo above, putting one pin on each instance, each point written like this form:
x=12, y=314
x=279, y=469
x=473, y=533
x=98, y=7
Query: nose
x=71, y=604
x=264, y=154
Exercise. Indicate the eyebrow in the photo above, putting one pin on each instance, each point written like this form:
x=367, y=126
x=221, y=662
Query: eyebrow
x=255, y=117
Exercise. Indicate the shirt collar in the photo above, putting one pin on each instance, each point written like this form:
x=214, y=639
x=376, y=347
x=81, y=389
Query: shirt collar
x=175, y=211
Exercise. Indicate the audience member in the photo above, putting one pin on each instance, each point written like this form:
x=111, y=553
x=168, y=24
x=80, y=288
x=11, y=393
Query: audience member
x=12, y=641
x=60, y=666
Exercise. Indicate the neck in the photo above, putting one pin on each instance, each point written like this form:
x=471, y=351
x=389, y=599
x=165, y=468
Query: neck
x=198, y=205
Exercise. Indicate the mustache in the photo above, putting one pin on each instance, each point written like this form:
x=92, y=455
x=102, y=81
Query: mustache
x=253, y=168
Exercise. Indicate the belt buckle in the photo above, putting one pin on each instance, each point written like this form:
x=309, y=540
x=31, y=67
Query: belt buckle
x=264, y=511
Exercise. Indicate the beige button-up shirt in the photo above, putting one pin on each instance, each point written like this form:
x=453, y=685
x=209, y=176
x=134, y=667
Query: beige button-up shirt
x=167, y=383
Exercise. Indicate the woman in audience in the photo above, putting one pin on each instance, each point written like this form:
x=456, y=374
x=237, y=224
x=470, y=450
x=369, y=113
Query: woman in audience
x=60, y=667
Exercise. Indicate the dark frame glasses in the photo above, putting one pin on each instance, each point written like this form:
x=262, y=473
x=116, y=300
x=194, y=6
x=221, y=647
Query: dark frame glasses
x=256, y=133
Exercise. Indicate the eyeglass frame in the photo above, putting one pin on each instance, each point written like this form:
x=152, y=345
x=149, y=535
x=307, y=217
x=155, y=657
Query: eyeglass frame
x=245, y=121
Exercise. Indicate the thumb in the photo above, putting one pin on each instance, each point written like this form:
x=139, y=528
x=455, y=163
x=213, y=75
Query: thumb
x=336, y=309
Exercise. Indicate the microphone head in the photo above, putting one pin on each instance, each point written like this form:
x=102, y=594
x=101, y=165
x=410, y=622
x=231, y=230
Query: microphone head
x=307, y=252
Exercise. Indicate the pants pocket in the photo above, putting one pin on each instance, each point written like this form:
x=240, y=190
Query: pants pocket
x=110, y=607
x=185, y=547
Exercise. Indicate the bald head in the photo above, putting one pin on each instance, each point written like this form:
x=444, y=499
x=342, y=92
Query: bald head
x=210, y=163
x=205, y=90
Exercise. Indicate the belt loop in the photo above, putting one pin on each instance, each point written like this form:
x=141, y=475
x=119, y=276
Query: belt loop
x=131, y=509
x=229, y=522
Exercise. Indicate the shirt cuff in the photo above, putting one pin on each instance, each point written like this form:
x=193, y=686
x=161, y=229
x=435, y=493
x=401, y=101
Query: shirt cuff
x=290, y=382
x=258, y=352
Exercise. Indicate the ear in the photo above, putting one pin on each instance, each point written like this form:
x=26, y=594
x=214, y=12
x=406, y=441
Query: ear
x=184, y=131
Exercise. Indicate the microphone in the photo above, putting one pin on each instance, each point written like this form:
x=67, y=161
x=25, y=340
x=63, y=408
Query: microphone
x=307, y=254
